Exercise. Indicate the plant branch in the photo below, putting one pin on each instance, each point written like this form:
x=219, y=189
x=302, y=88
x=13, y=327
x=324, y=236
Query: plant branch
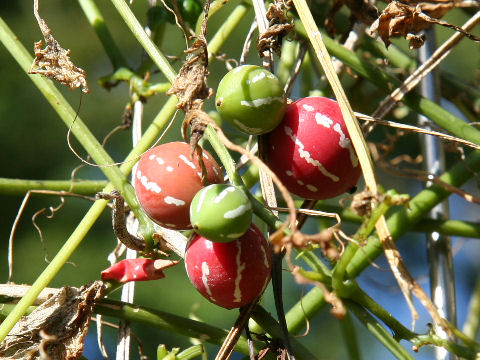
x=22, y=186
x=97, y=22
x=138, y=31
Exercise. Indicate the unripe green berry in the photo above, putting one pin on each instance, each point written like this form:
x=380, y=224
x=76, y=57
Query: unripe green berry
x=221, y=212
x=251, y=99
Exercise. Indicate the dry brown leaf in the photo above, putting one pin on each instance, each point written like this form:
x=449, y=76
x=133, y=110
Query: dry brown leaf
x=54, y=61
x=361, y=11
x=56, y=328
x=407, y=20
x=279, y=26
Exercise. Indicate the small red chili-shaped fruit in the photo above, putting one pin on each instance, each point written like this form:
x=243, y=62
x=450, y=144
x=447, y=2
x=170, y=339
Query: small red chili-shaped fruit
x=229, y=274
x=137, y=270
x=168, y=178
x=311, y=151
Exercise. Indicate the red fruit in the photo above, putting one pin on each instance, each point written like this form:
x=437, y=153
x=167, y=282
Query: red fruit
x=230, y=274
x=311, y=151
x=168, y=178
x=137, y=270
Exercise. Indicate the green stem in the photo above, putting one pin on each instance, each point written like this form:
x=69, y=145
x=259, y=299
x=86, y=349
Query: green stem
x=470, y=328
x=451, y=85
x=340, y=283
x=350, y=337
x=87, y=222
x=467, y=229
x=167, y=322
x=78, y=128
x=378, y=331
x=136, y=28
x=54, y=266
x=402, y=220
x=138, y=84
x=287, y=61
x=400, y=331
x=317, y=265
x=304, y=310
x=97, y=22
x=272, y=327
x=12, y=43
x=191, y=352
x=214, y=7
x=20, y=186
x=227, y=28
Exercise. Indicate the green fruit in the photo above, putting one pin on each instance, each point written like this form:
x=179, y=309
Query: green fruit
x=251, y=99
x=221, y=212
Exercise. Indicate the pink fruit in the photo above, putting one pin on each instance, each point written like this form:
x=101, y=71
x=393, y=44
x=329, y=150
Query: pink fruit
x=311, y=151
x=168, y=178
x=230, y=274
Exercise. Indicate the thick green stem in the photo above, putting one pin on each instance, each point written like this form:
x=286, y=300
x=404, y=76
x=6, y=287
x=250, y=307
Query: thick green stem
x=400, y=331
x=272, y=327
x=137, y=29
x=402, y=220
x=379, y=331
x=97, y=22
x=78, y=128
x=304, y=310
x=227, y=28
x=350, y=337
x=467, y=229
x=167, y=321
x=340, y=283
x=54, y=266
x=470, y=328
x=21, y=186
x=119, y=179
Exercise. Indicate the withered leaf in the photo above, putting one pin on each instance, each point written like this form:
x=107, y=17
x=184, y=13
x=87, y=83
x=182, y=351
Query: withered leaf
x=56, y=328
x=280, y=25
x=361, y=10
x=54, y=61
x=409, y=19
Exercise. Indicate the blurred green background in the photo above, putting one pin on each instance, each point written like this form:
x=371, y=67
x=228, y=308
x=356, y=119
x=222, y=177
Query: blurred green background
x=33, y=146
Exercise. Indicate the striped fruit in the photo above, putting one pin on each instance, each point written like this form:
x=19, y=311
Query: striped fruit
x=229, y=274
x=251, y=99
x=168, y=178
x=311, y=151
x=221, y=212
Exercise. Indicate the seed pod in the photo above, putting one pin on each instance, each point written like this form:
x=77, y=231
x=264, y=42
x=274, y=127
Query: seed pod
x=251, y=99
x=168, y=178
x=229, y=274
x=221, y=212
x=311, y=151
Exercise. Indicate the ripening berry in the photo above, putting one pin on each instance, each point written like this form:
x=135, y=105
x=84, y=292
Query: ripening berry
x=311, y=151
x=168, y=178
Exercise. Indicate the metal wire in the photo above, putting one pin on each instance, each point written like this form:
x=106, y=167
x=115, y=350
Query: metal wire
x=439, y=252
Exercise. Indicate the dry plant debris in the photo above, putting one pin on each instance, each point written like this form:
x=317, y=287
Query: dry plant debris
x=279, y=26
x=190, y=86
x=410, y=18
x=363, y=11
x=54, y=61
x=56, y=328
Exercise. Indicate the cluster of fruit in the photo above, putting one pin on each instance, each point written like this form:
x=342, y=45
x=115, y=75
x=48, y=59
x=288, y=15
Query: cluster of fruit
x=228, y=259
